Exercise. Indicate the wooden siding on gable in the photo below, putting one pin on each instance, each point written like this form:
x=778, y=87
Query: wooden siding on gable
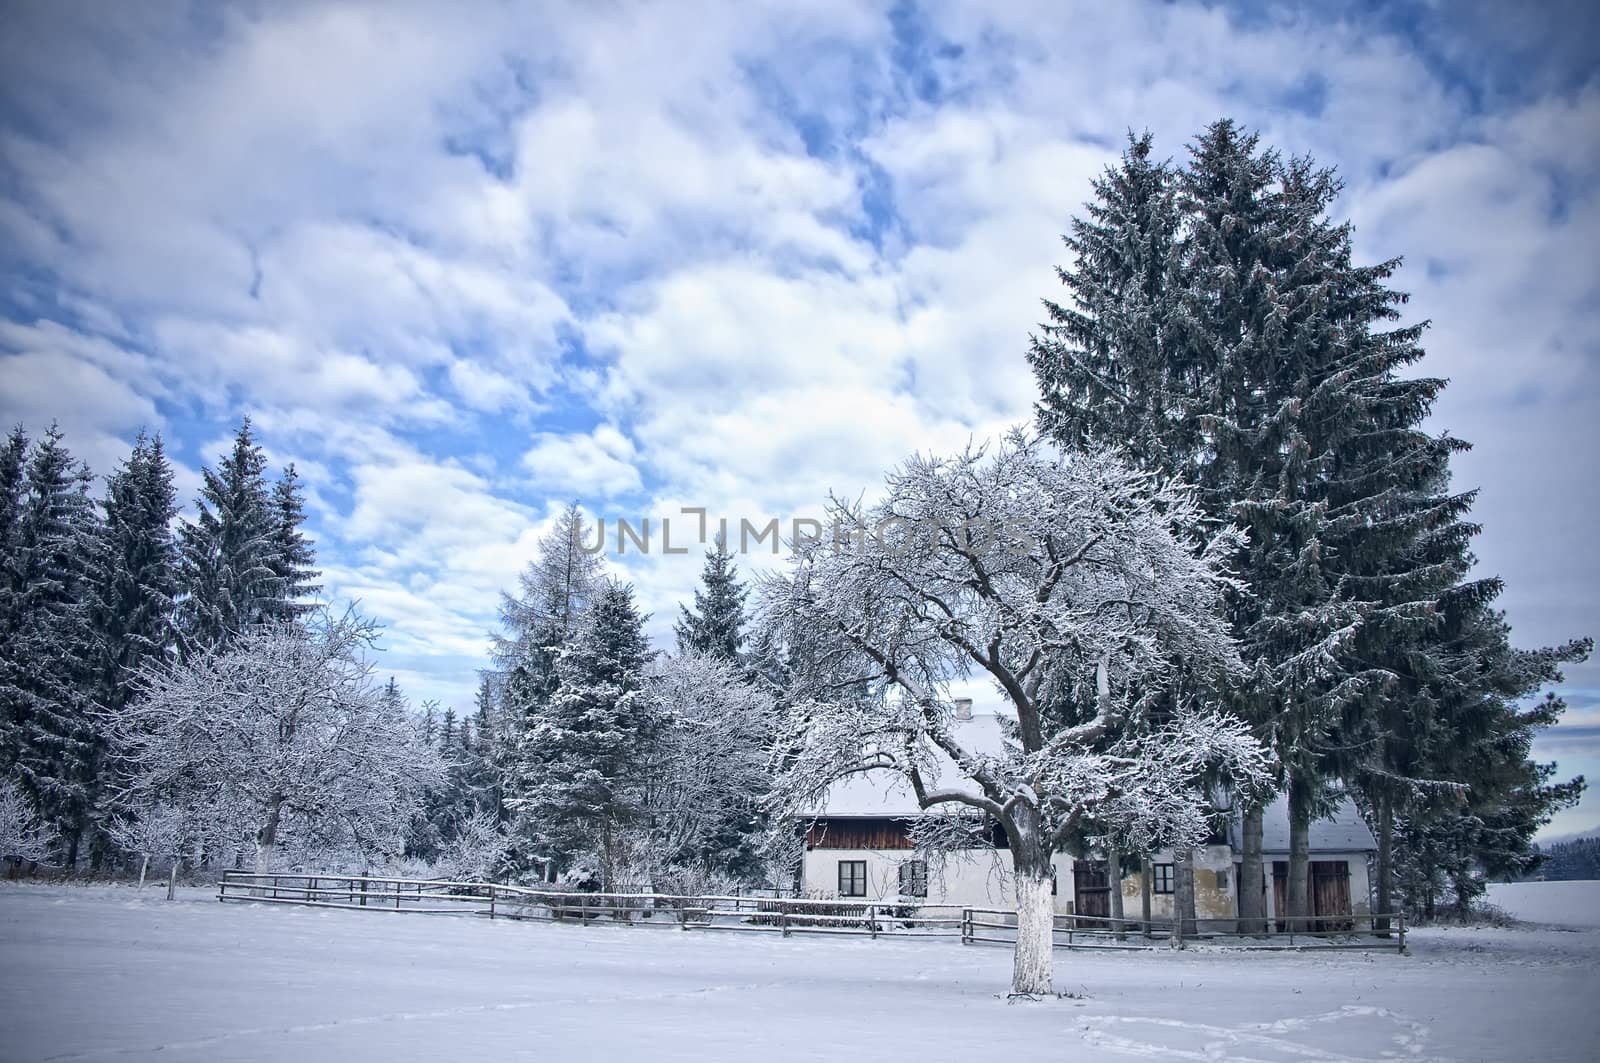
x=858, y=834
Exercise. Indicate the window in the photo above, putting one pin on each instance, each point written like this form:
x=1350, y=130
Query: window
x=1222, y=880
x=914, y=878
x=852, y=878
x=1161, y=878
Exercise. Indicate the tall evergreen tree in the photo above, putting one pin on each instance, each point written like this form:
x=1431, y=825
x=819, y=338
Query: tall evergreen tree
x=715, y=627
x=133, y=580
x=47, y=649
x=244, y=561
x=292, y=555
x=555, y=592
x=580, y=783
x=1219, y=325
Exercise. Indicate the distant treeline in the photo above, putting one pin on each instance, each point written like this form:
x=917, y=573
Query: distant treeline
x=1563, y=861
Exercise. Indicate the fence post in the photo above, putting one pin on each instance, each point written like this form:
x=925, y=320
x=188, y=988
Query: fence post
x=783, y=921
x=491, y=900
x=872, y=920
x=1401, y=921
x=222, y=886
x=363, y=889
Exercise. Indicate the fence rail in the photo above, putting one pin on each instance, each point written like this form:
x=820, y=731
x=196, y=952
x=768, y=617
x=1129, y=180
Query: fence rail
x=1358, y=931
x=789, y=915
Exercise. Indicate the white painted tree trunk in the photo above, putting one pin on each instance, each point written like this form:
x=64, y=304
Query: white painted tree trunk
x=264, y=849
x=1030, y=972
x=144, y=865
x=172, y=881
x=266, y=842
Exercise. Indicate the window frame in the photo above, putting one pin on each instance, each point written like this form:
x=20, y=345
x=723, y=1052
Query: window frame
x=1162, y=878
x=852, y=866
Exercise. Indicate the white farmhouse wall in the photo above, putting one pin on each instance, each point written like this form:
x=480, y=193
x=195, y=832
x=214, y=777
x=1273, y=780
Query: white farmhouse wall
x=978, y=880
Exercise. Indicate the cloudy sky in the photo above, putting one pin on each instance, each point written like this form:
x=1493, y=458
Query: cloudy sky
x=465, y=262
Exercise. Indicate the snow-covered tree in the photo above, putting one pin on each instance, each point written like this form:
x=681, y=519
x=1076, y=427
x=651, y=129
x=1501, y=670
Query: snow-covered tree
x=48, y=741
x=292, y=556
x=1219, y=323
x=154, y=832
x=243, y=560
x=708, y=773
x=554, y=590
x=284, y=729
x=476, y=851
x=579, y=780
x=554, y=593
x=715, y=626
x=1080, y=588
x=23, y=835
x=133, y=578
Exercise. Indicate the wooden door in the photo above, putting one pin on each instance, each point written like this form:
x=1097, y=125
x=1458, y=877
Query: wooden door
x=1092, y=885
x=1280, y=892
x=1330, y=893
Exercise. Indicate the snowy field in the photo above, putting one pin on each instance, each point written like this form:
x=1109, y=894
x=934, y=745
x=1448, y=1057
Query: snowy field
x=1555, y=903
x=105, y=974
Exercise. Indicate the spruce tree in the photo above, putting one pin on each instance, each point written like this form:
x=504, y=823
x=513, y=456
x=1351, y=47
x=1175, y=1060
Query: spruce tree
x=49, y=742
x=244, y=560
x=579, y=772
x=1220, y=329
x=555, y=591
x=226, y=554
x=133, y=580
x=715, y=627
x=292, y=555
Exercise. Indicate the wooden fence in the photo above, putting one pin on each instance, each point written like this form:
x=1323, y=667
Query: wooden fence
x=782, y=915
x=998, y=926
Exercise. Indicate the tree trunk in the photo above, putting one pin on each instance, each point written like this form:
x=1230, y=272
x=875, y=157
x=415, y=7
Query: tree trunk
x=1145, y=872
x=1114, y=879
x=1383, y=889
x=1183, y=895
x=1299, y=898
x=144, y=865
x=172, y=879
x=1031, y=962
x=1252, y=877
x=267, y=840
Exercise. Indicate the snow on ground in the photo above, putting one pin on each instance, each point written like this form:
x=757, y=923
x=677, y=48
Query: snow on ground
x=108, y=974
x=1556, y=903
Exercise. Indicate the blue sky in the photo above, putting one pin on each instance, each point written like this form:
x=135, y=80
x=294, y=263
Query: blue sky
x=462, y=268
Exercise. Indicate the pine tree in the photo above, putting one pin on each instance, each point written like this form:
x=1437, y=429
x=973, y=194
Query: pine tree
x=226, y=554
x=49, y=742
x=245, y=561
x=580, y=782
x=13, y=463
x=292, y=554
x=133, y=580
x=715, y=627
x=1218, y=324
x=555, y=592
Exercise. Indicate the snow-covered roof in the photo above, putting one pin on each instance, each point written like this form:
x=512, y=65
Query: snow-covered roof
x=1343, y=832
x=886, y=793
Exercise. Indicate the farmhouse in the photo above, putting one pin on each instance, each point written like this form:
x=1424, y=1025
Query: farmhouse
x=859, y=844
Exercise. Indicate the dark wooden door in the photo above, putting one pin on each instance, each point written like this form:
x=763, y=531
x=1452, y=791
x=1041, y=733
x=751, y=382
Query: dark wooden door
x=1330, y=893
x=1280, y=892
x=1092, y=884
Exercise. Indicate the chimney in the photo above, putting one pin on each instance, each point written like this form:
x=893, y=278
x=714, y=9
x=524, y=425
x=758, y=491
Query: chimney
x=963, y=708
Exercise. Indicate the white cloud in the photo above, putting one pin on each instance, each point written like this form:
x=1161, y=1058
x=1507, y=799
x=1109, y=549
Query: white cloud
x=769, y=264
x=594, y=466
